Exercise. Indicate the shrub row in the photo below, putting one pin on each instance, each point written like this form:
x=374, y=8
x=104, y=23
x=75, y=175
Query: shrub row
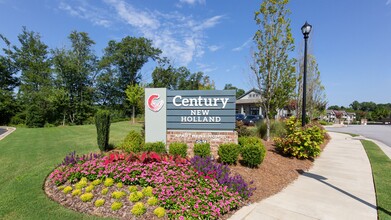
x=251, y=149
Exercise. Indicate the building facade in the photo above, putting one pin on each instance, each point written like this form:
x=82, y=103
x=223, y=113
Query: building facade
x=249, y=103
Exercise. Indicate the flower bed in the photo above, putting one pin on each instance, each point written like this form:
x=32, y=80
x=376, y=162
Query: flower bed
x=182, y=190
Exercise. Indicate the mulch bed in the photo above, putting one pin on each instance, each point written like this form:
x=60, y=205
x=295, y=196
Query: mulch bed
x=274, y=174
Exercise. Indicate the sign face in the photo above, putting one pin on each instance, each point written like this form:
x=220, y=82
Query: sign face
x=201, y=110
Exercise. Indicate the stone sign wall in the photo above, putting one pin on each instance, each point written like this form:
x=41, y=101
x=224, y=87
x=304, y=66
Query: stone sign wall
x=214, y=138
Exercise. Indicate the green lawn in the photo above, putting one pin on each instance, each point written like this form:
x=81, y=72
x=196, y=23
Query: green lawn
x=381, y=170
x=28, y=155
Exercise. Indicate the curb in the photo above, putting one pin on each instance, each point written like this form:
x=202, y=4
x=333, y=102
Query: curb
x=9, y=131
x=385, y=148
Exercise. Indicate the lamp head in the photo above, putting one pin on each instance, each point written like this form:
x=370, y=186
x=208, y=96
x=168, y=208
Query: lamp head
x=306, y=29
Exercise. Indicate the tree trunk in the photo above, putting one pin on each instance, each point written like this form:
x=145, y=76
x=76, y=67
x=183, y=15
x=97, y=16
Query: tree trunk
x=267, y=128
x=133, y=109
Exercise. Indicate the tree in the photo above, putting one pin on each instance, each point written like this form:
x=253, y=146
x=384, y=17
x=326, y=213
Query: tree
x=272, y=68
x=355, y=105
x=32, y=59
x=135, y=95
x=239, y=92
x=334, y=107
x=107, y=91
x=180, y=79
x=75, y=70
x=8, y=81
x=102, y=123
x=126, y=58
x=165, y=77
x=316, y=97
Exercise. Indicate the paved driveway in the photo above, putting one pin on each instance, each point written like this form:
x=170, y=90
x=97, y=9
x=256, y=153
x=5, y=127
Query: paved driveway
x=2, y=131
x=380, y=133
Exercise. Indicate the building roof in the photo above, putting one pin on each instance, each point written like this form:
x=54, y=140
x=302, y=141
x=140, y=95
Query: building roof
x=248, y=101
x=248, y=92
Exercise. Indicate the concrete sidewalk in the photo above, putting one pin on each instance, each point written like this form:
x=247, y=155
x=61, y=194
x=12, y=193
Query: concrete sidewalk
x=338, y=186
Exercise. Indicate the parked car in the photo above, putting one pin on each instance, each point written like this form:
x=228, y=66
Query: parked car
x=250, y=120
x=239, y=117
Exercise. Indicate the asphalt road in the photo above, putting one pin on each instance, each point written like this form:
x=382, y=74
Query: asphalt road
x=2, y=130
x=380, y=133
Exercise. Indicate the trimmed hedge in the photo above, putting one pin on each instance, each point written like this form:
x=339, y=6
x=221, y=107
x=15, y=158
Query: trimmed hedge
x=228, y=153
x=252, y=151
x=178, y=148
x=202, y=149
x=158, y=147
x=133, y=142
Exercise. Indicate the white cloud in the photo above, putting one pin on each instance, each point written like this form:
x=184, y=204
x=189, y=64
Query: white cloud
x=88, y=12
x=214, y=48
x=208, y=23
x=388, y=2
x=134, y=16
x=192, y=2
x=180, y=37
x=244, y=45
x=205, y=68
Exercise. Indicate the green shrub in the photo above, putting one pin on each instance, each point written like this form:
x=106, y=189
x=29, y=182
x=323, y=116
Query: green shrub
x=158, y=147
x=152, y=201
x=89, y=188
x=133, y=142
x=67, y=189
x=133, y=188
x=118, y=194
x=105, y=191
x=253, y=153
x=86, y=197
x=301, y=142
x=322, y=122
x=116, y=206
x=120, y=185
x=138, y=209
x=202, y=149
x=159, y=212
x=81, y=184
x=99, y=202
x=277, y=129
x=242, y=130
x=248, y=140
x=178, y=148
x=228, y=153
x=108, y=182
x=96, y=182
x=102, y=123
x=147, y=191
x=76, y=192
x=135, y=196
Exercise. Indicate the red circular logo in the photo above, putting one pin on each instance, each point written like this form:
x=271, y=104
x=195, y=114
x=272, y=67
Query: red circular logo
x=154, y=103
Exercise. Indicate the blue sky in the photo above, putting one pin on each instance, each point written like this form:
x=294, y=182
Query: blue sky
x=350, y=38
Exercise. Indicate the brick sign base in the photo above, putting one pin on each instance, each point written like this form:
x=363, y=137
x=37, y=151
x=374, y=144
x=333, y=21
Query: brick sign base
x=192, y=137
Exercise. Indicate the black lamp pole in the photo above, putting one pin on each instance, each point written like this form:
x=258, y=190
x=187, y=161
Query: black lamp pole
x=306, y=29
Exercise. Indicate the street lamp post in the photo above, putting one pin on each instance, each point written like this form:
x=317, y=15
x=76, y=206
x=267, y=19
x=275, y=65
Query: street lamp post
x=306, y=29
